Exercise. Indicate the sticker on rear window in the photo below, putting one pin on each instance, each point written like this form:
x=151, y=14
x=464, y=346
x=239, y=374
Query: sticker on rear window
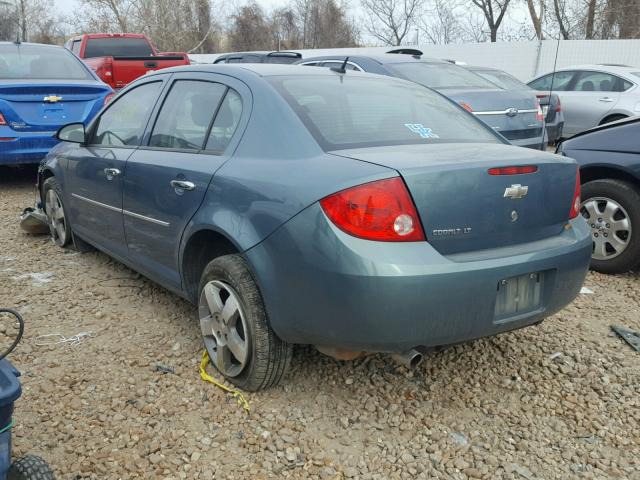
x=421, y=130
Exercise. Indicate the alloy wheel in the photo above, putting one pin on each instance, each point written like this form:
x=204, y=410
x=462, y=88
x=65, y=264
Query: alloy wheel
x=610, y=227
x=224, y=328
x=57, y=219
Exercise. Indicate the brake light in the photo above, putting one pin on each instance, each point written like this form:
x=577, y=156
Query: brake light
x=513, y=170
x=2, y=120
x=466, y=106
x=539, y=114
x=575, y=204
x=382, y=210
x=108, y=98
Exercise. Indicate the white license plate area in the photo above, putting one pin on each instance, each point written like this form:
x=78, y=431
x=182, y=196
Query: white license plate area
x=518, y=295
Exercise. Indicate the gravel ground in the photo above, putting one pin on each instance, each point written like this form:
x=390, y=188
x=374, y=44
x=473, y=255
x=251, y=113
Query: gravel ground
x=560, y=400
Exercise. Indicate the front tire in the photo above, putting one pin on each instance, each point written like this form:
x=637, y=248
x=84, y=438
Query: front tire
x=236, y=333
x=30, y=467
x=56, y=213
x=612, y=210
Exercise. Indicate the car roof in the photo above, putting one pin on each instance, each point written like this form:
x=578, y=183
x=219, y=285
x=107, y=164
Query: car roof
x=382, y=58
x=28, y=44
x=259, y=69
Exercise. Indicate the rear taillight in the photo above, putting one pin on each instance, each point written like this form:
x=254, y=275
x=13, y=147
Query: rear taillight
x=466, y=106
x=539, y=114
x=558, y=106
x=575, y=203
x=2, y=120
x=108, y=98
x=105, y=72
x=382, y=210
x=519, y=170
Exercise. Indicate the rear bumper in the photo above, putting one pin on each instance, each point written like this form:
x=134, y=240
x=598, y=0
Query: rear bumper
x=25, y=148
x=323, y=287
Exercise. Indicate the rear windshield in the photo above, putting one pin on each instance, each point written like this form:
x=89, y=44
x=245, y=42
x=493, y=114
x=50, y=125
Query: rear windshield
x=503, y=80
x=352, y=111
x=117, y=47
x=32, y=62
x=439, y=75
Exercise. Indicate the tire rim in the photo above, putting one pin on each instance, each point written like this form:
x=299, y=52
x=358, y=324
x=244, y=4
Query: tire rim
x=57, y=220
x=224, y=328
x=610, y=227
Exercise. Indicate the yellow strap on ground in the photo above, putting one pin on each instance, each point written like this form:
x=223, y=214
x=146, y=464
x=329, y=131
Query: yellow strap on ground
x=208, y=378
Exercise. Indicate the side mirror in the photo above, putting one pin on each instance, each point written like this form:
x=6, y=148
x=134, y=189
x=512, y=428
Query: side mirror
x=74, y=133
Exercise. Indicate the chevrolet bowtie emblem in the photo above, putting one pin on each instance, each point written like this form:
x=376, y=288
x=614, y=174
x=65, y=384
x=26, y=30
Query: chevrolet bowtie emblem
x=52, y=98
x=516, y=191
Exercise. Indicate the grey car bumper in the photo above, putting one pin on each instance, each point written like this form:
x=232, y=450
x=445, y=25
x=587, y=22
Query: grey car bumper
x=324, y=287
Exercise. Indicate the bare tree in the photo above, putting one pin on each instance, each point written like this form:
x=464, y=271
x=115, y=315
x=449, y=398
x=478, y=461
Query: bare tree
x=390, y=21
x=494, y=12
x=441, y=24
x=537, y=16
x=250, y=29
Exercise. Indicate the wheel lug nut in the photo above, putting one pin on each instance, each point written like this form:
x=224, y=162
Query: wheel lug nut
x=593, y=225
x=595, y=234
x=606, y=234
x=608, y=226
x=600, y=220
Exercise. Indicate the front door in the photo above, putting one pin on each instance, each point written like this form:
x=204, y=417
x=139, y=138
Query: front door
x=97, y=169
x=167, y=179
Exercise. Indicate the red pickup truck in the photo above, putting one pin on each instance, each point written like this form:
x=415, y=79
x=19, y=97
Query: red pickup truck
x=120, y=58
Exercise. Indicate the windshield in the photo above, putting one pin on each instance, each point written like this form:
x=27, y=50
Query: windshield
x=33, y=62
x=352, y=111
x=503, y=80
x=117, y=47
x=439, y=75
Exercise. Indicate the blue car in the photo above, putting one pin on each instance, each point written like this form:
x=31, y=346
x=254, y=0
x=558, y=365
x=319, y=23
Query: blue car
x=609, y=160
x=350, y=211
x=42, y=87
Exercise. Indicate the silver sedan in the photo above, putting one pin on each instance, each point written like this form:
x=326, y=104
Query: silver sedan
x=593, y=95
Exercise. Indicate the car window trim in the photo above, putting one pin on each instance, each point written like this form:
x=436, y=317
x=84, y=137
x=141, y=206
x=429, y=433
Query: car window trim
x=319, y=63
x=155, y=115
x=91, y=130
x=221, y=152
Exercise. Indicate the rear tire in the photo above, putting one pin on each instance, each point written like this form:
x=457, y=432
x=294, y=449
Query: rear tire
x=56, y=213
x=233, y=320
x=30, y=467
x=616, y=245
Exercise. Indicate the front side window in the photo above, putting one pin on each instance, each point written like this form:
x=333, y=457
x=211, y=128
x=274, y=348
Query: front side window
x=439, y=75
x=226, y=122
x=35, y=62
x=597, y=82
x=558, y=82
x=185, y=116
x=123, y=123
x=355, y=111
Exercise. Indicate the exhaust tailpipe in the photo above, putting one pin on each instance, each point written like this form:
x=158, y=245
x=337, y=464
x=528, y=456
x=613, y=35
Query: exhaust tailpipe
x=410, y=359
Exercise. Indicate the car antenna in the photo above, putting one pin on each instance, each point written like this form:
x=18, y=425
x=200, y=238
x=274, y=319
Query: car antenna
x=553, y=77
x=342, y=68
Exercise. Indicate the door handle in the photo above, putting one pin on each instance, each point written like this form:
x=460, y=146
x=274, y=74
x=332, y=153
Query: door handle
x=111, y=172
x=182, y=185
x=606, y=99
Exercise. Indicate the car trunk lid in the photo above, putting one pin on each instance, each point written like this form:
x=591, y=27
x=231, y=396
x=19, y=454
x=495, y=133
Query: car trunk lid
x=463, y=208
x=509, y=112
x=45, y=107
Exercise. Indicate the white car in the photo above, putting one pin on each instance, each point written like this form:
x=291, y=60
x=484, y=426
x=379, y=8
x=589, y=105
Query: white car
x=592, y=95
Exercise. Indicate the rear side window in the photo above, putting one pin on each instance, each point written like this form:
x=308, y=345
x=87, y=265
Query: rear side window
x=597, y=82
x=186, y=114
x=123, y=123
x=343, y=111
x=558, y=81
x=75, y=47
x=226, y=122
x=117, y=47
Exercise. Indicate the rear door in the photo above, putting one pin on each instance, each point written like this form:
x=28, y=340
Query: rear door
x=591, y=98
x=166, y=180
x=96, y=170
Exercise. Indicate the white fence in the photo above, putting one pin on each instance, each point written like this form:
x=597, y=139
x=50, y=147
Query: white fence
x=524, y=60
